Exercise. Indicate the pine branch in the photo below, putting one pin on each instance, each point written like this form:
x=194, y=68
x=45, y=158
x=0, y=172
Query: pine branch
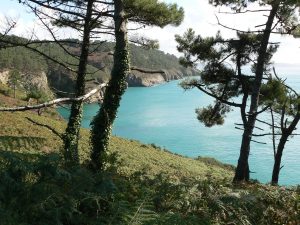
x=217, y=97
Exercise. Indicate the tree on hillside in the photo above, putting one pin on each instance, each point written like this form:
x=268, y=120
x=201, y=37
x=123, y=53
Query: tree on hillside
x=285, y=103
x=223, y=76
x=281, y=17
x=145, y=12
x=14, y=80
x=73, y=14
x=84, y=17
x=73, y=128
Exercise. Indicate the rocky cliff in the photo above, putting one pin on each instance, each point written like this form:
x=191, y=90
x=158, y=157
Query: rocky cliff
x=38, y=80
x=140, y=79
x=150, y=67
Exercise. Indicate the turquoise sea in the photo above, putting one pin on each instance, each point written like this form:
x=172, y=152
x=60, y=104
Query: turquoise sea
x=165, y=115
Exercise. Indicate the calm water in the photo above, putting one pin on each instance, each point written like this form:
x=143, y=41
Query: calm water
x=165, y=115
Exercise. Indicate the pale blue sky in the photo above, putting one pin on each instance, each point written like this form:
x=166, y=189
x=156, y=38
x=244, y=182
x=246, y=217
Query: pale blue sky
x=14, y=8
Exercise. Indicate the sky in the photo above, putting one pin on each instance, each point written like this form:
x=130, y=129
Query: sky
x=199, y=15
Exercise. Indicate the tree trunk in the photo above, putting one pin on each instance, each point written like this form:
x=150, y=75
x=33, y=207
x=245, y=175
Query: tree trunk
x=242, y=170
x=284, y=137
x=71, y=135
x=103, y=121
x=14, y=91
x=277, y=162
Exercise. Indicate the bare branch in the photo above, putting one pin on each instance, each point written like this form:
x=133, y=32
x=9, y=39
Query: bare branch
x=217, y=97
x=247, y=11
x=240, y=124
x=54, y=102
x=264, y=122
x=47, y=126
x=263, y=143
x=263, y=110
x=147, y=71
x=246, y=32
x=273, y=133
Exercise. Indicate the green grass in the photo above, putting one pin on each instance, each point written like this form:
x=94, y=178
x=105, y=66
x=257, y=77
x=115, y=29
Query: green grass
x=149, y=185
x=19, y=134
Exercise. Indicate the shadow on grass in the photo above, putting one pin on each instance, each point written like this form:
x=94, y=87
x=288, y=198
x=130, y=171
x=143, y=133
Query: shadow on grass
x=10, y=143
x=40, y=189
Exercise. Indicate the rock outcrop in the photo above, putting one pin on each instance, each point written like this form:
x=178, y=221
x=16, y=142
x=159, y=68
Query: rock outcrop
x=37, y=79
x=140, y=79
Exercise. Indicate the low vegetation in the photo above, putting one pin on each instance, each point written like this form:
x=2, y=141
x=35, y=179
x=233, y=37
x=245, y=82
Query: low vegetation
x=142, y=184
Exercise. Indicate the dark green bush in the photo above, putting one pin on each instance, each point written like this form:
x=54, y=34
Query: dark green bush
x=39, y=190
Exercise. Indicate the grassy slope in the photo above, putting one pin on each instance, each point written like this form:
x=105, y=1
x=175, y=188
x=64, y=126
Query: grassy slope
x=213, y=200
x=17, y=133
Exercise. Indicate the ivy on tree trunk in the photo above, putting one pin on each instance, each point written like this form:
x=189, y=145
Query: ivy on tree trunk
x=73, y=129
x=103, y=121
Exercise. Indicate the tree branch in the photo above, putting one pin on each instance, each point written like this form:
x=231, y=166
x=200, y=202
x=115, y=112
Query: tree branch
x=53, y=102
x=147, y=71
x=217, y=97
x=273, y=133
x=46, y=126
x=263, y=143
x=264, y=122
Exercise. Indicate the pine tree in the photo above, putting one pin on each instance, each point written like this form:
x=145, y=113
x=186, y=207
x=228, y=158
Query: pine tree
x=285, y=104
x=281, y=17
x=147, y=12
x=84, y=17
x=71, y=136
x=14, y=80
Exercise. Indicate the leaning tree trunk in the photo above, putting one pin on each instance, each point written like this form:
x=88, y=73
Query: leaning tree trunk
x=284, y=138
x=277, y=162
x=242, y=170
x=71, y=135
x=103, y=121
x=14, y=90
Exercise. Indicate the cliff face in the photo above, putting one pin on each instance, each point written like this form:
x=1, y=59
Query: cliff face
x=37, y=71
x=37, y=79
x=4, y=74
x=140, y=79
x=159, y=66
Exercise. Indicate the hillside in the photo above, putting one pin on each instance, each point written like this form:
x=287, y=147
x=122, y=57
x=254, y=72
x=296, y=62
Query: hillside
x=18, y=133
x=36, y=69
x=144, y=185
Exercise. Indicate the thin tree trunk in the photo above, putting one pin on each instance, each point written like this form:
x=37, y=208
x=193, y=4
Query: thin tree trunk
x=277, y=162
x=71, y=135
x=103, y=121
x=285, y=134
x=242, y=170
